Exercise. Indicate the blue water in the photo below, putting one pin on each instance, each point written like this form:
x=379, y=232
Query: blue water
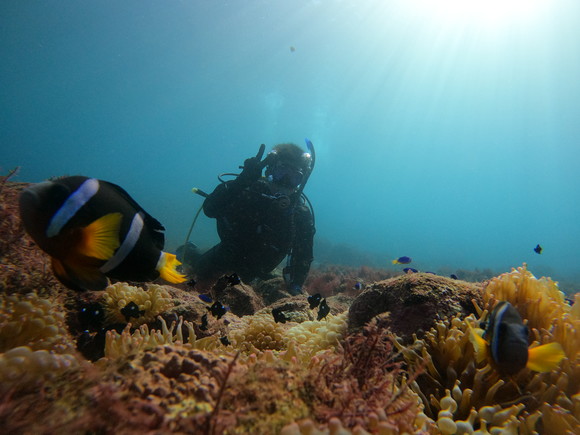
x=448, y=131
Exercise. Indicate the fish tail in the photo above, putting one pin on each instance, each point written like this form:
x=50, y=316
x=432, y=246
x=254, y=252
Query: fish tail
x=479, y=344
x=166, y=268
x=101, y=238
x=546, y=357
x=395, y=261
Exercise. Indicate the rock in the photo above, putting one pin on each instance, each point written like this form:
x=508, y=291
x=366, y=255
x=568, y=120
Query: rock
x=273, y=290
x=414, y=301
x=240, y=298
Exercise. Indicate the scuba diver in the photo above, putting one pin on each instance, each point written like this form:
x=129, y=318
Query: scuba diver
x=262, y=219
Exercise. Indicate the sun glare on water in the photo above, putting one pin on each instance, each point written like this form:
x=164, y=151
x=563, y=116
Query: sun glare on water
x=485, y=14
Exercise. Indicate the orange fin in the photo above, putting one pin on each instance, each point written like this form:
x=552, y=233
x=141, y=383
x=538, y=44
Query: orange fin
x=546, y=357
x=479, y=344
x=79, y=277
x=101, y=238
x=166, y=268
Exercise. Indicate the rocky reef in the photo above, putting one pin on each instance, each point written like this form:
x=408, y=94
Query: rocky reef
x=393, y=356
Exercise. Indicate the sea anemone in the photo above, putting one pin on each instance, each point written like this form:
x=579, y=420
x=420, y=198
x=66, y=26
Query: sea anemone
x=151, y=302
x=451, y=373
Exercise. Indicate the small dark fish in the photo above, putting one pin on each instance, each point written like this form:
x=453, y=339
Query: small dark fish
x=225, y=341
x=233, y=279
x=217, y=310
x=538, y=249
x=323, y=310
x=314, y=300
x=357, y=286
x=430, y=273
x=92, y=345
x=91, y=316
x=205, y=298
x=410, y=270
x=131, y=310
x=453, y=276
x=203, y=325
x=292, y=49
x=94, y=230
x=191, y=283
x=402, y=260
x=505, y=341
x=279, y=316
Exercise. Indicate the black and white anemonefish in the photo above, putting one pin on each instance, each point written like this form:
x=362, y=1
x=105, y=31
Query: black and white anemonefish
x=505, y=341
x=93, y=229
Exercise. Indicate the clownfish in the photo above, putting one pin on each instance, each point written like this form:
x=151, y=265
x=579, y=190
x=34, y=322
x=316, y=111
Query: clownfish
x=93, y=229
x=505, y=341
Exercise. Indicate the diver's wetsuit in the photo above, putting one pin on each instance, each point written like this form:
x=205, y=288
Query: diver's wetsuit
x=257, y=230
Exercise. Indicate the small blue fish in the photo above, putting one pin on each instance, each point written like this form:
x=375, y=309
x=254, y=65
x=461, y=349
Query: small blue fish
x=402, y=260
x=538, y=249
x=357, y=286
x=453, y=276
x=410, y=270
x=205, y=298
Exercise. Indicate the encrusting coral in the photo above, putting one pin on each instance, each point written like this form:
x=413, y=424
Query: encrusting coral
x=151, y=302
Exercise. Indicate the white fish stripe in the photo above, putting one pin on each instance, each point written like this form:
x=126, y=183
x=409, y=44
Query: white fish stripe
x=72, y=205
x=128, y=244
x=495, y=339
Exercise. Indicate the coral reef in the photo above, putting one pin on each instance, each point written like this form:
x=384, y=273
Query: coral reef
x=396, y=359
x=415, y=301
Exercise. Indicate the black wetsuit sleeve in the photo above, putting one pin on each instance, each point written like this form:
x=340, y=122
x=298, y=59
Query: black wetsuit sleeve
x=218, y=201
x=301, y=256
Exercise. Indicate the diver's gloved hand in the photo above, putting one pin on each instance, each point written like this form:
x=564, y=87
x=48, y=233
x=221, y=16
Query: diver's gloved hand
x=252, y=169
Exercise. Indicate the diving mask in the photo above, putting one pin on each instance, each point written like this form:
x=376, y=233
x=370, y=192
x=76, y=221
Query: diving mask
x=286, y=175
